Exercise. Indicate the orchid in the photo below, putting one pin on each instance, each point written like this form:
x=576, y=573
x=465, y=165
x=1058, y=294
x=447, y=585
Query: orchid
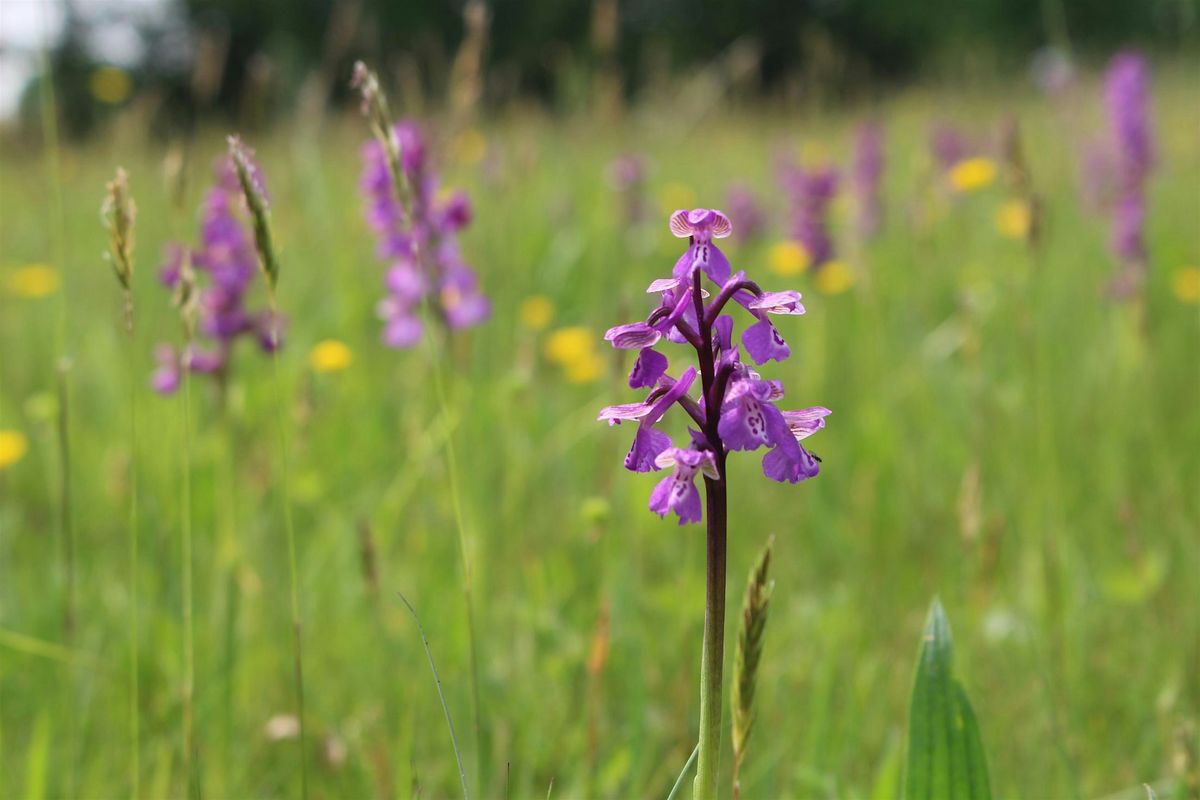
x=417, y=228
x=736, y=410
x=227, y=259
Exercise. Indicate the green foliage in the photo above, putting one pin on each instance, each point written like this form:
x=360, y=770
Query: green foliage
x=945, y=753
x=957, y=354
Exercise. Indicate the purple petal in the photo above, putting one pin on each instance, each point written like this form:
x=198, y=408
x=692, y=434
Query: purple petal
x=634, y=336
x=764, y=343
x=647, y=444
x=806, y=421
x=778, y=303
x=402, y=331
x=615, y=415
x=778, y=465
x=648, y=368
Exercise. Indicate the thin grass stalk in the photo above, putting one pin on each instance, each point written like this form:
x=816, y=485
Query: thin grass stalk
x=134, y=560
x=118, y=213
x=49, y=114
x=376, y=110
x=293, y=579
x=687, y=766
x=461, y=528
x=186, y=574
x=462, y=773
x=269, y=263
x=746, y=659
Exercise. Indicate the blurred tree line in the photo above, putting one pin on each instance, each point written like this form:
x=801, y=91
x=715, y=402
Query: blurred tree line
x=250, y=59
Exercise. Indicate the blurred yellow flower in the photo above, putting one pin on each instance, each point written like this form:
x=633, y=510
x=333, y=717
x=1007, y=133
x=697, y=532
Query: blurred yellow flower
x=536, y=312
x=1013, y=219
x=972, y=173
x=330, y=355
x=1185, y=283
x=569, y=344
x=788, y=258
x=834, y=277
x=584, y=369
x=32, y=281
x=468, y=147
x=13, y=445
x=110, y=85
x=674, y=196
x=574, y=350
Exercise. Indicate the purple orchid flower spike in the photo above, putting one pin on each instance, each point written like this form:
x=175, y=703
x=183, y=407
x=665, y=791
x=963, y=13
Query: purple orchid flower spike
x=1127, y=97
x=735, y=411
x=225, y=265
x=417, y=234
x=812, y=192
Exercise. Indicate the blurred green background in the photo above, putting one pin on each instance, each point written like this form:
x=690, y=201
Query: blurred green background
x=1003, y=435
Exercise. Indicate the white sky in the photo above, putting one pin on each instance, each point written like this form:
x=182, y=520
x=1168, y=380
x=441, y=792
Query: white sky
x=26, y=26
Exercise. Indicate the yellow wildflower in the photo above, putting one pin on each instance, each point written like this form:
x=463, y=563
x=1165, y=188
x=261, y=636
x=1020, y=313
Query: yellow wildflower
x=536, y=312
x=330, y=355
x=1185, y=283
x=788, y=258
x=1013, y=219
x=674, y=196
x=971, y=174
x=834, y=278
x=13, y=445
x=584, y=369
x=468, y=147
x=110, y=85
x=32, y=281
x=566, y=345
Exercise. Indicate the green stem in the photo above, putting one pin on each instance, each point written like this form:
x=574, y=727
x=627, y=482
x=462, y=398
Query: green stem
x=189, y=649
x=460, y=525
x=712, y=660
x=134, y=687
x=285, y=492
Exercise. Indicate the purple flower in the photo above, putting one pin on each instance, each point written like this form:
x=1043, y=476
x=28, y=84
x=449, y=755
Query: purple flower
x=736, y=409
x=745, y=212
x=417, y=232
x=866, y=176
x=1129, y=161
x=1127, y=96
x=811, y=192
x=225, y=265
x=677, y=492
x=701, y=226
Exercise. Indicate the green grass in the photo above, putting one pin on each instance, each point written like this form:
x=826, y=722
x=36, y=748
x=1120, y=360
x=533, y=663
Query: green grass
x=1074, y=601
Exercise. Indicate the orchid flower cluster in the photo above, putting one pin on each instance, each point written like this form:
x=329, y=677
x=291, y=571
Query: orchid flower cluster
x=1127, y=97
x=419, y=240
x=866, y=175
x=217, y=312
x=736, y=408
x=812, y=191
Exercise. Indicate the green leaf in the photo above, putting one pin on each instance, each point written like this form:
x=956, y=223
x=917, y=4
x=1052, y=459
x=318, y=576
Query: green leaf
x=945, y=752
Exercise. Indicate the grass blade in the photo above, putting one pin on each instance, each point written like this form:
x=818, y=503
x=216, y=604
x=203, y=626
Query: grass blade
x=462, y=773
x=687, y=767
x=945, y=752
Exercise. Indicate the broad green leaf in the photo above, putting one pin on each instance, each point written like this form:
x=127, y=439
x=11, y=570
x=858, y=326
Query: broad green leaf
x=945, y=758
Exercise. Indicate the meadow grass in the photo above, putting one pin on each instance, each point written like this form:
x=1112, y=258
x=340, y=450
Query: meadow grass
x=1001, y=436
